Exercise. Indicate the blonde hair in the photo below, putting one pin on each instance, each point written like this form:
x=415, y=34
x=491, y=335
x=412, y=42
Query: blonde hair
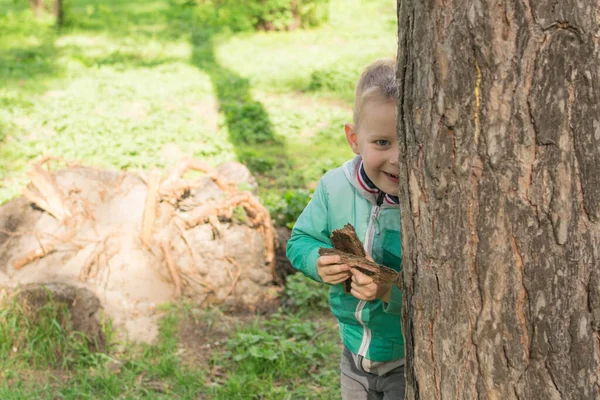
x=378, y=80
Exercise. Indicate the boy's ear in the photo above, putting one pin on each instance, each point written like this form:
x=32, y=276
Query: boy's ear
x=352, y=138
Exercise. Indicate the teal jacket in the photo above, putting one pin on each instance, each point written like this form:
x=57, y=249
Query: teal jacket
x=368, y=328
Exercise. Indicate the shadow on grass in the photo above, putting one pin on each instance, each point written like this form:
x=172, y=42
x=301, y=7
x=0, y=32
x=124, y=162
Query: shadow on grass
x=250, y=129
x=24, y=62
x=28, y=57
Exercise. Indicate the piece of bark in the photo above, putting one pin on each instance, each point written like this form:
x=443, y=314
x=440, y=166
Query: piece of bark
x=379, y=273
x=346, y=240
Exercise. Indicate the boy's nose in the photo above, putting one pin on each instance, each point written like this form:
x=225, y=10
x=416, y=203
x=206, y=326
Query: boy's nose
x=394, y=156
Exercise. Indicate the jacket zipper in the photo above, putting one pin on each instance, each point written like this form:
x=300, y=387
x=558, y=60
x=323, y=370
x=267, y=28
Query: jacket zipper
x=373, y=226
x=373, y=223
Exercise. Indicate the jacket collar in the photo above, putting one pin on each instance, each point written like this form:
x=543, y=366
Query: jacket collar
x=356, y=174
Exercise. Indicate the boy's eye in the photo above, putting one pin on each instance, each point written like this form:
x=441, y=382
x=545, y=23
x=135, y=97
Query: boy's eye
x=382, y=142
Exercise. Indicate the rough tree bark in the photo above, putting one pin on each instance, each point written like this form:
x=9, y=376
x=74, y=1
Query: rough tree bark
x=499, y=127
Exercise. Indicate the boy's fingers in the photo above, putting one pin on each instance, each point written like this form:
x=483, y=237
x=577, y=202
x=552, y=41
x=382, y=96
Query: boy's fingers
x=359, y=295
x=359, y=278
x=334, y=280
x=327, y=260
x=335, y=269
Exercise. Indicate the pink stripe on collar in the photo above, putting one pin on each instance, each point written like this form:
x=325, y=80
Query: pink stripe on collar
x=364, y=186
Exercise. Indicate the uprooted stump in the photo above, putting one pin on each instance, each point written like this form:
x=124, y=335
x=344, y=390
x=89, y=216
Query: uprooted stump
x=137, y=240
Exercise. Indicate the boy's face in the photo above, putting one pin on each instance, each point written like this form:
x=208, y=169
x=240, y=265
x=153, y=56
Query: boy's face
x=376, y=142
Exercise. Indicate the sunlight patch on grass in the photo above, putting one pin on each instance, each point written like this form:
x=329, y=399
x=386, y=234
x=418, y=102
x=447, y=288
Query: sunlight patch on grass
x=359, y=32
x=314, y=132
x=122, y=81
x=82, y=121
x=97, y=50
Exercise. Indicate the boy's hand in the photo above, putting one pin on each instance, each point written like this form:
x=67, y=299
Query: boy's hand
x=331, y=271
x=364, y=288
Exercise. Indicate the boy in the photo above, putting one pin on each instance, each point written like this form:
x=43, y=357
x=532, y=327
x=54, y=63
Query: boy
x=363, y=192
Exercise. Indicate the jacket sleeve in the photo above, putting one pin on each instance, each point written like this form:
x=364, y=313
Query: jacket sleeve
x=309, y=234
x=395, y=304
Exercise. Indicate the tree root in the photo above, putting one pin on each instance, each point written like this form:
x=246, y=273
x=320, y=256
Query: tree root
x=161, y=207
x=34, y=255
x=92, y=263
x=164, y=244
x=150, y=207
x=45, y=192
x=258, y=215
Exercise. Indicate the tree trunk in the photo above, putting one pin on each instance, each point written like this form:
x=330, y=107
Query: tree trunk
x=499, y=127
x=58, y=9
x=37, y=6
x=59, y=12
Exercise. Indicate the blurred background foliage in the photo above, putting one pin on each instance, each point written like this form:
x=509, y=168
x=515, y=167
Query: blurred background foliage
x=140, y=84
x=122, y=83
x=270, y=15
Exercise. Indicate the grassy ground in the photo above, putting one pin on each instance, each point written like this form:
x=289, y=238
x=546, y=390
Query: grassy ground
x=138, y=84
x=200, y=354
x=127, y=80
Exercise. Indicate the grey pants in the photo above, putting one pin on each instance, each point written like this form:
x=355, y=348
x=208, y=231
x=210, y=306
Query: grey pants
x=360, y=385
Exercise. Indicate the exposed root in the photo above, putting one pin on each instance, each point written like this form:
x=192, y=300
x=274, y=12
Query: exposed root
x=150, y=207
x=171, y=266
x=175, y=186
x=88, y=209
x=92, y=264
x=45, y=193
x=120, y=181
x=34, y=255
x=165, y=218
x=198, y=280
x=184, y=235
x=236, y=278
x=213, y=221
x=258, y=215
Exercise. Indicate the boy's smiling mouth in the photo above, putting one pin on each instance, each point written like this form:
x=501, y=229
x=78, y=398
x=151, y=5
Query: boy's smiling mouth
x=393, y=177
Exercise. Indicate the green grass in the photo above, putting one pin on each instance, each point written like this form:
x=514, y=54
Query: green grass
x=121, y=82
x=252, y=357
x=124, y=79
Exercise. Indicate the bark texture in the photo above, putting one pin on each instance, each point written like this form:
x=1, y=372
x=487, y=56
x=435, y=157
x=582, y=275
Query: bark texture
x=499, y=127
x=345, y=240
